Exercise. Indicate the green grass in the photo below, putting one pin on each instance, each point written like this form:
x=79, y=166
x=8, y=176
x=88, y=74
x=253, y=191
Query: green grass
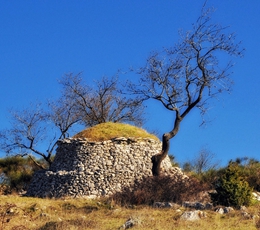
x=59, y=214
x=110, y=130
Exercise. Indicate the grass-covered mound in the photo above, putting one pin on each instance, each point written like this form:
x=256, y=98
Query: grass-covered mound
x=110, y=130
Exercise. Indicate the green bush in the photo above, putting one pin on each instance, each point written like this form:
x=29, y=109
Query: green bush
x=251, y=173
x=231, y=189
x=16, y=173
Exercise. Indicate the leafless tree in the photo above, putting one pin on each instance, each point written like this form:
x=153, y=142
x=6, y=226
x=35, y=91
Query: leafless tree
x=43, y=125
x=27, y=131
x=189, y=74
x=204, y=161
x=35, y=127
x=102, y=103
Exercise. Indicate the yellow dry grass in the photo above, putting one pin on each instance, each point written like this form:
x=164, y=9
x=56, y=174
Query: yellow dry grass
x=110, y=130
x=71, y=214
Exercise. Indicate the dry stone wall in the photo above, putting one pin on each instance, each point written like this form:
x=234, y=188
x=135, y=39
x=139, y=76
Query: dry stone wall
x=86, y=168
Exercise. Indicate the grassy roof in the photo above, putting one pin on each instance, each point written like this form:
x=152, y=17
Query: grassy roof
x=110, y=130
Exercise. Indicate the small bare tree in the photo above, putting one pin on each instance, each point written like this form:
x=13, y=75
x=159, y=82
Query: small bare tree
x=188, y=75
x=33, y=127
x=103, y=103
x=27, y=131
x=202, y=162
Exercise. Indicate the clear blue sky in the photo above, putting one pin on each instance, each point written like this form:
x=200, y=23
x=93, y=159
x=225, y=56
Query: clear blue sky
x=42, y=40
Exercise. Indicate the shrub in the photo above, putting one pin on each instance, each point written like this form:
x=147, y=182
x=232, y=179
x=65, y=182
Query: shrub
x=17, y=173
x=207, y=178
x=159, y=189
x=251, y=173
x=231, y=190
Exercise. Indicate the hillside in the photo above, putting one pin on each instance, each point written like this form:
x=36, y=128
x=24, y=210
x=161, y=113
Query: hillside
x=70, y=214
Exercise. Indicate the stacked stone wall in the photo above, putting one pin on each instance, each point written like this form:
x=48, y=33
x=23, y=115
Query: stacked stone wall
x=86, y=168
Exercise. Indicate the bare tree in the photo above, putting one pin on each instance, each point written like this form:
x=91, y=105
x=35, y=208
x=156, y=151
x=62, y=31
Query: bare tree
x=204, y=161
x=27, y=131
x=35, y=127
x=43, y=125
x=101, y=103
x=189, y=74
x=63, y=115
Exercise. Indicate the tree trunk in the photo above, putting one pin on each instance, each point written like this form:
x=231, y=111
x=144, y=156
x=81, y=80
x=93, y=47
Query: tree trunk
x=158, y=158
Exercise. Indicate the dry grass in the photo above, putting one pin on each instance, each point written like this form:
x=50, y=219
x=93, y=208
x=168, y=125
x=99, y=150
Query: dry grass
x=110, y=130
x=71, y=214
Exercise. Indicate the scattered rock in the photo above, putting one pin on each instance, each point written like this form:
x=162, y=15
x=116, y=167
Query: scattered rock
x=243, y=208
x=128, y=224
x=256, y=195
x=193, y=215
x=10, y=211
x=197, y=205
x=220, y=210
x=165, y=205
x=228, y=209
x=246, y=215
x=209, y=206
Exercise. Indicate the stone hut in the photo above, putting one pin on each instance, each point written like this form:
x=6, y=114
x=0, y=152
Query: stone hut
x=96, y=168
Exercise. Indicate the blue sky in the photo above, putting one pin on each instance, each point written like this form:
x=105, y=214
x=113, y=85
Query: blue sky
x=42, y=40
